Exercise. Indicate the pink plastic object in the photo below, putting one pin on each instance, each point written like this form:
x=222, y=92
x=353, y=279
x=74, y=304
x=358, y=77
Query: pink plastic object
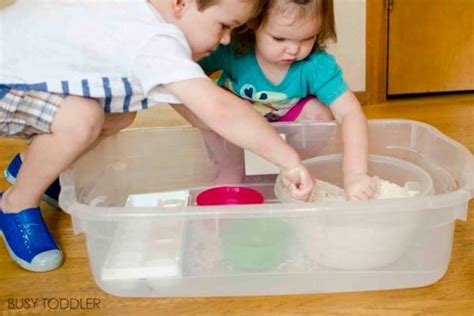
x=229, y=196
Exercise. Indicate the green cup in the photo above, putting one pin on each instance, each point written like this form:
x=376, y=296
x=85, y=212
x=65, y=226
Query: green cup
x=255, y=244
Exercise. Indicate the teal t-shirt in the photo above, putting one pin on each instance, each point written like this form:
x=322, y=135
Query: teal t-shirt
x=317, y=75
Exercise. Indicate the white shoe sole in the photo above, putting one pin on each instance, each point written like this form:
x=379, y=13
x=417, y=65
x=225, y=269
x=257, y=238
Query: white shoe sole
x=30, y=266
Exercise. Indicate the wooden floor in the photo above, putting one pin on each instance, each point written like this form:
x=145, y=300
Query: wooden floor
x=452, y=295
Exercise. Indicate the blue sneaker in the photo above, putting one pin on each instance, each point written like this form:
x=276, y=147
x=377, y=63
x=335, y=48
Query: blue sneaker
x=28, y=240
x=52, y=193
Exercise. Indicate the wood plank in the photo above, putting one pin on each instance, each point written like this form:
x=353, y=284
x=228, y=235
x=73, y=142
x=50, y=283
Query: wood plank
x=376, y=51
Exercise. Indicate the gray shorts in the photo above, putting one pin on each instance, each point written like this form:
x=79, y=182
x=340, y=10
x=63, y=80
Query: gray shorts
x=27, y=113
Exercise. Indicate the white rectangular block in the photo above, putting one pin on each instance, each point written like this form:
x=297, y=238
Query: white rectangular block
x=144, y=248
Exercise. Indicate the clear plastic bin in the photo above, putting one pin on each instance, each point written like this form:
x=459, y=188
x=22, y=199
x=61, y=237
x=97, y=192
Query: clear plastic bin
x=180, y=249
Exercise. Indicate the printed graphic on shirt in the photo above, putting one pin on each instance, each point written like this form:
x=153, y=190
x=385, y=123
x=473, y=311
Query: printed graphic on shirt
x=272, y=105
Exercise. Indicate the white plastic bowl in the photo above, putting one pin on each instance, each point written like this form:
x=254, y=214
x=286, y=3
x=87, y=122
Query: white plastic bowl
x=368, y=239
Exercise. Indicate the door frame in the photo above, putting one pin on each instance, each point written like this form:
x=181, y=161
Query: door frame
x=376, y=51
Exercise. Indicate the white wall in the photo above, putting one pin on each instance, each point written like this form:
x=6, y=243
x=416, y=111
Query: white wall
x=350, y=47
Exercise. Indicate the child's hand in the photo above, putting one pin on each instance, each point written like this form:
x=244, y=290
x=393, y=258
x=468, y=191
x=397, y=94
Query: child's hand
x=299, y=182
x=359, y=186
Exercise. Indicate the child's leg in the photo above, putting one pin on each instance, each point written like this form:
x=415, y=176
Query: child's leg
x=228, y=157
x=313, y=111
x=77, y=124
x=309, y=109
x=114, y=122
x=65, y=127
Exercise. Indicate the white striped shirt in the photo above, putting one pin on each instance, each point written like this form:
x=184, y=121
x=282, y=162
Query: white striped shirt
x=120, y=52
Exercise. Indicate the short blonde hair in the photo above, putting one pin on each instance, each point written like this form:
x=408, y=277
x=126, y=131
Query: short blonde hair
x=244, y=37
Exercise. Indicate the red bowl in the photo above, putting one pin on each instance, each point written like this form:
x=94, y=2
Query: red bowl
x=229, y=196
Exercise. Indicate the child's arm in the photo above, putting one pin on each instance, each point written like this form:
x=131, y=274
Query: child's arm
x=348, y=112
x=233, y=119
x=190, y=116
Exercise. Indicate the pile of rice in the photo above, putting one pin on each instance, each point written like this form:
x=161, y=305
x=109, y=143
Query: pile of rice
x=325, y=191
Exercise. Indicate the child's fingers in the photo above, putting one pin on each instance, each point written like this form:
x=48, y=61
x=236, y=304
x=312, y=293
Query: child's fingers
x=286, y=182
x=373, y=186
x=294, y=192
x=353, y=197
x=363, y=196
x=306, y=188
x=358, y=197
x=371, y=189
x=300, y=192
x=299, y=182
x=370, y=193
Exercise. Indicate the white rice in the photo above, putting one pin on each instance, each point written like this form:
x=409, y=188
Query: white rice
x=325, y=191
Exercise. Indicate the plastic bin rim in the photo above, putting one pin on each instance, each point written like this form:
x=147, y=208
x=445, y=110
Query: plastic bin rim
x=332, y=123
x=388, y=206
x=384, y=121
x=449, y=199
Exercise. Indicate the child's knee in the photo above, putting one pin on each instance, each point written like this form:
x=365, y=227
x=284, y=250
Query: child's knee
x=114, y=122
x=79, y=118
x=314, y=110
x=91, y=122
